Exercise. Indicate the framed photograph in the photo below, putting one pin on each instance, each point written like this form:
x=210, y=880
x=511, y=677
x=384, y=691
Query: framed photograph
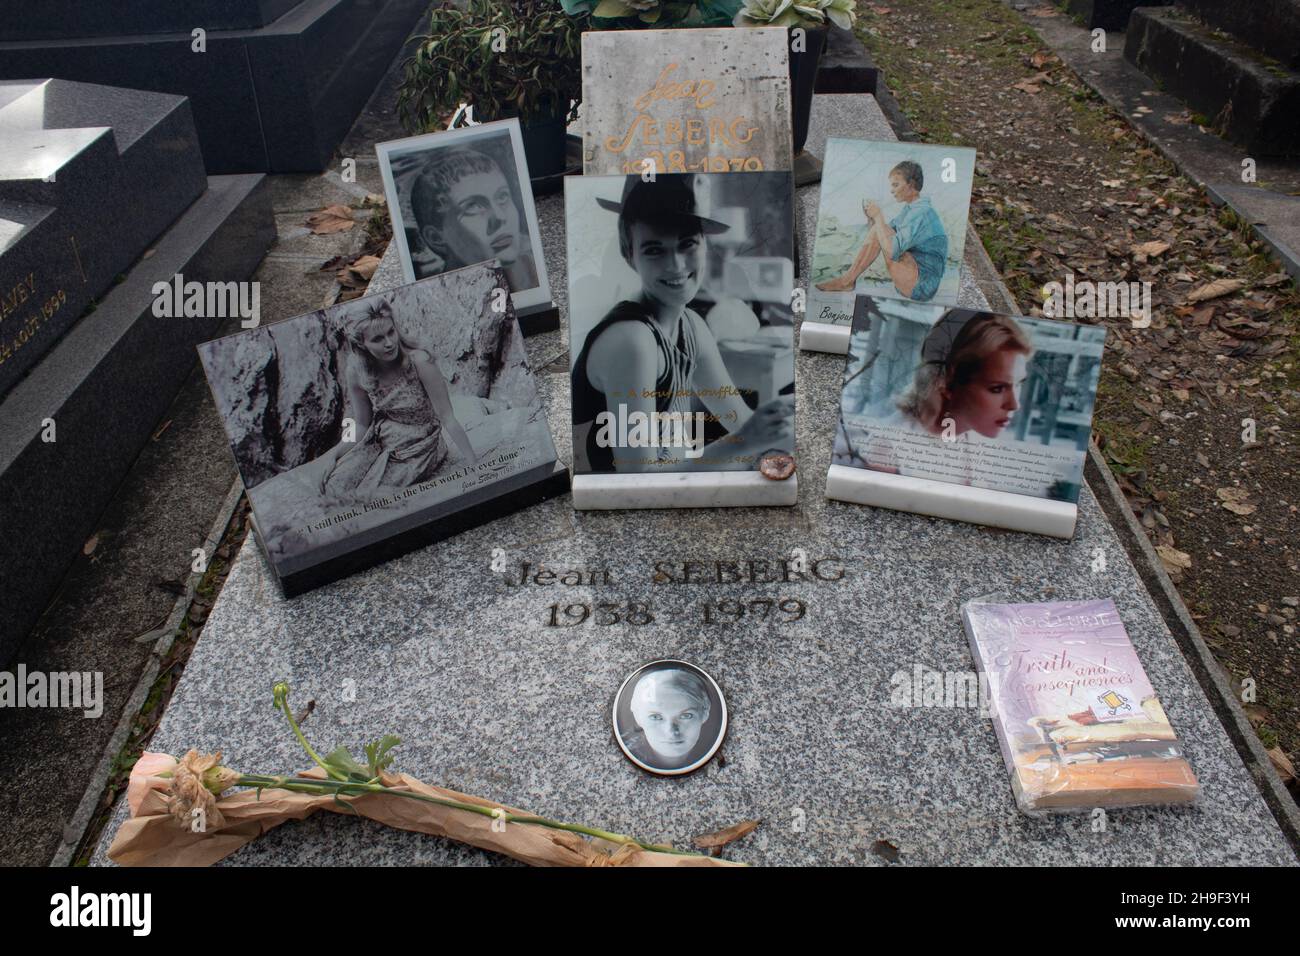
x=969, y=398
x=669, y=717
x=891, y=223
x=383, y=423
x=680, y=321
x=461, y=197
x=710, y=100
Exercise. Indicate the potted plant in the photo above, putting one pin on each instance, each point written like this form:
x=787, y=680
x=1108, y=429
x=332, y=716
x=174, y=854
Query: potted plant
x=812, y=17
x=502, y=58
x=653, y=14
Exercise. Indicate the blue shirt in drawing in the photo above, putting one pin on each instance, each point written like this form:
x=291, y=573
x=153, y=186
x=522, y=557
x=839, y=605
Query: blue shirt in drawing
x=919, y=230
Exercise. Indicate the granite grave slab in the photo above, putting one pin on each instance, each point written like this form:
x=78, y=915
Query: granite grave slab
x=89, y=177
x=278, y=97
x=62, y=19
x=500, y=682
x=104, y=385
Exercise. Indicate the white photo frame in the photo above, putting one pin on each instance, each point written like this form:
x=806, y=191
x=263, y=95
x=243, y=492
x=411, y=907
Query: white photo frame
x=501, y=142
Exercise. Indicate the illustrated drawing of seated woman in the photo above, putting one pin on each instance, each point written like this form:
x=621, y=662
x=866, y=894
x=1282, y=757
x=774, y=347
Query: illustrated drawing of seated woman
x=465, y=213
x=965, y=390
x=670, y=708
x=402, y=410
x=652, y=353
x=913, y=245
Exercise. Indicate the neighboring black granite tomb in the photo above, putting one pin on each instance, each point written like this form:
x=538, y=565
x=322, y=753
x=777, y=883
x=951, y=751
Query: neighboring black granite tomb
x=102, y=195
x=89, y=176
x=275, y=89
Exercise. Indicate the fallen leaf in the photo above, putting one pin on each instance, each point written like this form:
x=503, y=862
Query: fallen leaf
x=1027, y=86
x=1255, y=713
x=1153, y=248
x=1112, y=183
x=721, y=838
x=1215, y=289
x=359, y=273
x=331, y=219
x=1277, y=278
x=89, y=547
x=1282, y=764
x=1235, y=500
x=886, y=851
x=1173, y=559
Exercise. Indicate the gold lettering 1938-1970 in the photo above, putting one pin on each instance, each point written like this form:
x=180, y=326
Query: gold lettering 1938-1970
x=713, y=133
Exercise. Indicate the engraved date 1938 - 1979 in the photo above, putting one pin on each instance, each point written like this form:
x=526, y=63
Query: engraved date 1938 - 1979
x=726, y=611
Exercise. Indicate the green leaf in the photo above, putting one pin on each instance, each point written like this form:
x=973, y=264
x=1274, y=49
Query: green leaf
x=343, y=761
x=378, y=756
x=612, y=9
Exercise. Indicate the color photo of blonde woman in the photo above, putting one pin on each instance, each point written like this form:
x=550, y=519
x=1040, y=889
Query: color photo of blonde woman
x=965, y=389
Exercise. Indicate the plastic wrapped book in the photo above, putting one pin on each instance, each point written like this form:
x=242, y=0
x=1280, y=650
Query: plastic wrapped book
x=1079, y=722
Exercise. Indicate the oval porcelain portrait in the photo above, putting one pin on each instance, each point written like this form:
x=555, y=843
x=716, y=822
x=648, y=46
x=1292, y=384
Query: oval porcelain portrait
x=669, y=717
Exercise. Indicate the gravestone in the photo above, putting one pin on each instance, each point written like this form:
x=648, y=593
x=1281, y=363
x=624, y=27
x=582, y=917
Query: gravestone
x=89, y=176
x=1270, y=26
x=55, y=19
x=1240, y=69
x=691, y=101
x=500, y=682
x=274, y=86
x=102, y=195
x=1108, y=14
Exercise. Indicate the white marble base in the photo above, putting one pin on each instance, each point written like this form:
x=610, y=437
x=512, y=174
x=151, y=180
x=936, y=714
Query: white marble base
x=823, y=337
x=1000, y=509
x=719, y=489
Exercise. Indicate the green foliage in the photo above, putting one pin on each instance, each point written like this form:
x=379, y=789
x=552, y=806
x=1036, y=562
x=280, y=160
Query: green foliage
x=378, y=757
x=653, y=14
x=503, y=57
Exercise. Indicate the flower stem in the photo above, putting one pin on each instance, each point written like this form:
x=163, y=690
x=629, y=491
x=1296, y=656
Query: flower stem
x=348, y=788
x=282, y=702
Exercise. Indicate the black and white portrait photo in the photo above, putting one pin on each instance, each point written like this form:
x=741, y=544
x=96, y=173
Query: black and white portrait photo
x=461, y=197
x=361, y=417
x=670, y=717
x=680, y=321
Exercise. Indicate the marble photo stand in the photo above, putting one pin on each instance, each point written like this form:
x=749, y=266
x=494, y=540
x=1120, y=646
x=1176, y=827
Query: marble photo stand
x=721, y=489
x=491, y=699
x=998, y=509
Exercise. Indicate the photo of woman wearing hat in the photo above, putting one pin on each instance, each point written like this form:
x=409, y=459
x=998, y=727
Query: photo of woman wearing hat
x=653, y=352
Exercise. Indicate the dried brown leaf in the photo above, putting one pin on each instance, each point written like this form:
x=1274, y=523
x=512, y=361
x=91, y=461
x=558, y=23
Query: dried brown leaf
x=1173, y=559
x=331, y=219
x=721, y=838
x=1282, y=764
x=1215, y=289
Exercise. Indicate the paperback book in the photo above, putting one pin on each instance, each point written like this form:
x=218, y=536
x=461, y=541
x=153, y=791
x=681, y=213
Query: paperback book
x=1077, y=718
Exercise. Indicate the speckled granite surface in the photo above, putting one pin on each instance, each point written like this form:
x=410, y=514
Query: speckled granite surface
x=490, y=699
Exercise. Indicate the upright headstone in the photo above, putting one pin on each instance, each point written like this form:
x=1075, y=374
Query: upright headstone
x=89, y=176
x=103, y=200
x=686, y=101
x=274, y=86
x=1237, y=64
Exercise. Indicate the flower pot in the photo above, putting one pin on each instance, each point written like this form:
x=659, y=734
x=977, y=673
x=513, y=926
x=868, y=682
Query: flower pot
x=803, y=81
x=544, y=145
